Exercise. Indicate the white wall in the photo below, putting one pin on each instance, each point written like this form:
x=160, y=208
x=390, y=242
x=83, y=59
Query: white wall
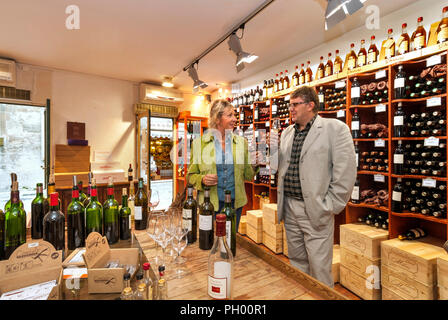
x=430, y=10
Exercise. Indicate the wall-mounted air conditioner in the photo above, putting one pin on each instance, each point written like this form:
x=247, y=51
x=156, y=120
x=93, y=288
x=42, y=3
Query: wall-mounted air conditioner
x=7, y=73
x=157, y=94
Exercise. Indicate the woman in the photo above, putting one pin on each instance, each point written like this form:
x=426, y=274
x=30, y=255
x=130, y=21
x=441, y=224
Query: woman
x=220, y=160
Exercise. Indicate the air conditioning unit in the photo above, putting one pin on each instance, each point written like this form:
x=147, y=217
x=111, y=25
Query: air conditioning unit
x=157, y=94
x=7, y=73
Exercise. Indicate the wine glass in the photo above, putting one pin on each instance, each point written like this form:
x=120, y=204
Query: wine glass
x=154, y=199
x=163, y=235
x=153, y=230
x=180, y=241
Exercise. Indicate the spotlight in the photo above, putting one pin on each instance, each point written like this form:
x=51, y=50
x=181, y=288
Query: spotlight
x=194, y=76
x=241, y=56
x=168, y=82
x=337, y=11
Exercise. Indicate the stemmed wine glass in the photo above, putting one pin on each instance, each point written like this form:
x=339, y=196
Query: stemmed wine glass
x=163, y=234
x=179, y=242
x=154, y=199
x=154, y=230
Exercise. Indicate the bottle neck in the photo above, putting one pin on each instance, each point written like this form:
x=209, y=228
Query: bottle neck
x=110, y=192
x=75, y=194
x=124, y=201
x=94, y=193
x=15, y=197
x=221, y=230
x=228, y=200
x=40, y=191
x=190, y=192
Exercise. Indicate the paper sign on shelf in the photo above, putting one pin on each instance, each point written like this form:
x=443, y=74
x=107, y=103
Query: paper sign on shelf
x=380, y=108
x=380, y=74
x=432, y=61
x=380, y=143
x=430, y=183
x=379, y=178
x=434, y=102
x=431, y=142
x=340, y=114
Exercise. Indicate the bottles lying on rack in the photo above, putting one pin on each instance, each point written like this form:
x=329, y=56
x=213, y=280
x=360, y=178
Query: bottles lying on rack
x=417, y=159
x=376, y=160
x=374, y=92
x=333, y=99
x=420, y=197
x=280, y=108
x=376, y=219
x=413, y=234
x=372, y=196
x=425, y=124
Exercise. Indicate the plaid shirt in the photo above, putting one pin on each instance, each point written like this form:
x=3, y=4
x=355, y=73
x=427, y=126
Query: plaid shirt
x=292, y=185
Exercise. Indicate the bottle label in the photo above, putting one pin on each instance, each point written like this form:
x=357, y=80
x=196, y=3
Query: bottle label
x=337, y=67
x=443, y=33
x=187, y=224
x=321, y=98
x=355, y=193
x=356, y=92
x=301, y=79
x=398, y=120
x=130, y=222
x=295, y=81
x=307, y=78
x=187, y=213
x=398, y=159
x=372, y=57
x=320, y=73
x=242, y=116
x=355, y=125
x=328, y=71
x=274, y=109
x=396, y=196
x=399, y=83
x=219, y=282
x=403, y=48
x=229, y=233
x=205, y=222
x=362, y=60
x=351, y=63
x=138, y=213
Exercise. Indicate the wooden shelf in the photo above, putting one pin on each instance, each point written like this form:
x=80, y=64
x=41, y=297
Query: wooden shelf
x=417, y=138
x=368, y=106
x=409, y=176
x=369, y=139
x=369, y=206
x=331, y=111
x=420, y=216
x=419, y=99
x=373, y=172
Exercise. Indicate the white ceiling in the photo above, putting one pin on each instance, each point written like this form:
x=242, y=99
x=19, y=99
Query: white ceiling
x=144, y=40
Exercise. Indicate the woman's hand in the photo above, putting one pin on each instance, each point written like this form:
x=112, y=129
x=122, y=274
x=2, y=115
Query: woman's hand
x=210, y=180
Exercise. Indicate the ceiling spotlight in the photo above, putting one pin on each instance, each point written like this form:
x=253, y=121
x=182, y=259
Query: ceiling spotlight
x=194, y=76
x=337, y=11
x=168, y=82
x=241, y=56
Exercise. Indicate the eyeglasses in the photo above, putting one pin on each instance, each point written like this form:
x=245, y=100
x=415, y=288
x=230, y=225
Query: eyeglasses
x=295, y=104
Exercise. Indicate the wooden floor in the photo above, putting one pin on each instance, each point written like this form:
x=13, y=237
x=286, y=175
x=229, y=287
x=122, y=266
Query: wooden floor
x=254, y=278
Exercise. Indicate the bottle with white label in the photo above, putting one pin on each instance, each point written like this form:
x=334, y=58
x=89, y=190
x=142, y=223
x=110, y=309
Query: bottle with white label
x=400, y=83
x=230, y=221
x=397, y=204
x=220, y=264
x=399, y=159
x=355, y=125
x=206, y=211
x=399, y=129
x=355, y=92
x=189, y=211
x=355, y=192
x=140, y=207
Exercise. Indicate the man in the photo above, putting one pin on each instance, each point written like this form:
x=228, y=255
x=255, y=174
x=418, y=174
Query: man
x=316, y=174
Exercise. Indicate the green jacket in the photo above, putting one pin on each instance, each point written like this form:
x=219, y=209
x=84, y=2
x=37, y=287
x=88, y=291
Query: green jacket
x=203, y=161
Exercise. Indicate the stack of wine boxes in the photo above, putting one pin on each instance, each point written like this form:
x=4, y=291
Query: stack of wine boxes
x=442, y=276
x=272, y=230
x=409, y=268
x=254, y=225
x=360, y=259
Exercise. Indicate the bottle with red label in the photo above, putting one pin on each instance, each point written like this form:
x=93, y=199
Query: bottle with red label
x=75, y=220
x=220, y=264
x=94, y=212
x=111, y=215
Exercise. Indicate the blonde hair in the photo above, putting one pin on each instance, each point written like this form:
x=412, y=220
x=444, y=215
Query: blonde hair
x=216, y=111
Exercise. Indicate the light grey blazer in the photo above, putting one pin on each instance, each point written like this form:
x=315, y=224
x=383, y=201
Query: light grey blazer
x=327, y=169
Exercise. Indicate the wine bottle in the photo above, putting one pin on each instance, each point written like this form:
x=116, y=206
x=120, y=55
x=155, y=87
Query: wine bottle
x=189, y=212
x=372, y=55
x=442, y=29
x=338, y=63
x=15, y=222
x=399, y=129
x=75, y=226
x=82, y=195
x=390, y=44
x=54, y=225
x=94, y=212
x=51, y=188
x=355, y=125
x=125, y=217
x=206, y=232
x=276, y=83
x=397, y=194
x=355, y=92
x=418, y=40
x=413, y=234
x=352, y=58
x=362, y=54
x=111, y=215
x=400, y=83
x=38, y=212
x=403, y=43
x=280, y=82
x=295, y=77
x=329, y=66
x=302, y=74
x=2, y=235
x=130, y=173
x=141, y=207
x=308, y=73
x=220, y=264
x=321, y=96
x=355, y=192
x=286, y=80
x=8, y=204
x=320, y=69
x=399, y=159
x=230, y=221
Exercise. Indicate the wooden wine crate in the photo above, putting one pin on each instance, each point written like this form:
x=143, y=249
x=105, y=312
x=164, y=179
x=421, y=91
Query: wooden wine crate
x=335, y=267
x=255, y=219
x=66, y=179
x=405, y=287
x=358, y=284
x=386, y=294
x=72, y=159
x=270, y=212
x=285, y=241
x=274, y=244
x=359, y=264
x=273, y=229
x=255, y=234
x=362, y=239
x=416, y=259
x=263, y=202
x=242, y=228
x=442, y=270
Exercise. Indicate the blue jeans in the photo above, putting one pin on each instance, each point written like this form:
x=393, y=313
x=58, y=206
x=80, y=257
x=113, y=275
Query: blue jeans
x=238, y=212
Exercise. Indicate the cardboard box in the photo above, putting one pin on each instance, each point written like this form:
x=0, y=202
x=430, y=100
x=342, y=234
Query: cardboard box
x=416, y=259
x=358, y=285
x=66, y=179
x=263, y=202
x=274, y=244
x=255, y=234
x=32, y=263
x=359, y=264
x=270, y=212
x=97, y=255
x=363, y=239
x=242, y=229
x=254, y=219
x=75, y=259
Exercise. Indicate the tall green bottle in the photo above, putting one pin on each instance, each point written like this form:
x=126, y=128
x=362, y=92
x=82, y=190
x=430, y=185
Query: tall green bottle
x=75, y=220
x=230, y=222
x=38, y=207
x=125, y=217
x=94, y=212
x=15, y=223
x=85, y=202
x=8, y=204
x=2, y=235
x=141, y=207
x=111, y=215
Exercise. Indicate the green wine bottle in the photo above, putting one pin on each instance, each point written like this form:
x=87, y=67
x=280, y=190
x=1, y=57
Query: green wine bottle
x=125, y=217
x=52, y=189
x=15, y=223
x=8, y=204
x=230, y=221
x=75, y=220
x=38, y=206
x=94, y=212
x=111, y=214
x=141, y=207
x=2, y=235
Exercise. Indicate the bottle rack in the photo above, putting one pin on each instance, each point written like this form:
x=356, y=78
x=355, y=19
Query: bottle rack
x=378, y=113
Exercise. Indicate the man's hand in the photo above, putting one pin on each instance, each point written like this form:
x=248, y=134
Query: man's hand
x=210, y=180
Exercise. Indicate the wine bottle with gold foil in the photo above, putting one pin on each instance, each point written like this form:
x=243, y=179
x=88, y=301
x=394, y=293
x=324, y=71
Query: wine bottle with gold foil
x=372, y=54
x=418, y=40
x=362, y=54
x=403, y=43
x=338, y=63
x=329, y=66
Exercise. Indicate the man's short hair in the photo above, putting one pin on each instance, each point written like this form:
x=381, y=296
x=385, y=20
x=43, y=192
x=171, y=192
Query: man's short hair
x=308, y=94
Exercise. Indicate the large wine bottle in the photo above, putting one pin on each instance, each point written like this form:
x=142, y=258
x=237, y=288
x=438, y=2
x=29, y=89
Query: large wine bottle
x=8, y=204
x=2, y=235
x=15, y=222
x=125, y=217
x=230, y=221
x=397, y=195
x=206, y=211
x=54, y=225
x=111, y=215
x=75, y=220
x=141, y=207
x=38, y=212
x=189, y=212
x=94, y=212
x=220, y=264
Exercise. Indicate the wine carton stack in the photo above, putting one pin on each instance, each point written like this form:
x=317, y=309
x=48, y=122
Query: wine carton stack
x=254, y=225
x=442, y=276
x=409, y=268
x=360, y=259
x=336, y=265
x=285, y=241
x=242, y=228
x=272, y=230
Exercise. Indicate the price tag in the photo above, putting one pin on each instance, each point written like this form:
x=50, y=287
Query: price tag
x=431, y=142
x=33, y=244
x=340, y=114
x=267, y=123
x=251, y=126
x=380, y=143
x=379, y=178
x=339, y=85
x=252, y=107
x=380, y=74
x=433, y=60
x=268, y=102
x=434, y=102
x=429, y=183
x=380, y=108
